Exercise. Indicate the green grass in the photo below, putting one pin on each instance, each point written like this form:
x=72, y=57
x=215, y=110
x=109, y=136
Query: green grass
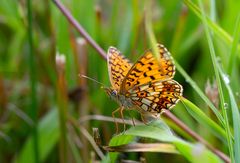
x=33, y=108
x=45, y=108
x=217, y=76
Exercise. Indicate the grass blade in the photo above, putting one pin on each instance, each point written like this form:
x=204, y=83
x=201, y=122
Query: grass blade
x=202, y=118
x=235, y=116
x=213, y=26
x=217, y=75
x=150, y=33
x=200, y=93
x=233, y=54
x=158, y=130
x=33, y=82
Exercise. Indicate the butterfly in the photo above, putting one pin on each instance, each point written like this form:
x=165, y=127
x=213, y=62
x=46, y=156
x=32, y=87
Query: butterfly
x=147, y=85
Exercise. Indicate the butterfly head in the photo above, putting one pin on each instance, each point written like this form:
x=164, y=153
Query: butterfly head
x=112, y=93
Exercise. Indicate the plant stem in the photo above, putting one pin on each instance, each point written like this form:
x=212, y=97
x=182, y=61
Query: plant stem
x=62, y=106
x=193, y=134
x=79, y=28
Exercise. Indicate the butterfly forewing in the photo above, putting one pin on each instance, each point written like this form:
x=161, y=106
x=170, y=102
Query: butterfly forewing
x=157, y=96
x=118, y=67
x=147, y=69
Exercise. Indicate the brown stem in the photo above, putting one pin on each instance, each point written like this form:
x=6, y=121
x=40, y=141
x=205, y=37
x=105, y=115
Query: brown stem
x=193, y=134
x=88, y=38
x=79, y=28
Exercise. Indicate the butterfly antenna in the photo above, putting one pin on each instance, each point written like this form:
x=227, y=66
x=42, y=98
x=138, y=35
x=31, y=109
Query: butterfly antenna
x=84, y=76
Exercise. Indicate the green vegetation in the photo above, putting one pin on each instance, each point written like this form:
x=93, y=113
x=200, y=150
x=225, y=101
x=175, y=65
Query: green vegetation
x=48, y=113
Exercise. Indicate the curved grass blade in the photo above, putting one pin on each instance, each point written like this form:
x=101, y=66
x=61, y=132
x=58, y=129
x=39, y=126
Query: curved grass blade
x=202, y=118
x=158, y=130
x=217, y=75
x=235, y=116
x=199, y=92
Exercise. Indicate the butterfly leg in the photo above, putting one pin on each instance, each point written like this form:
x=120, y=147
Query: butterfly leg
x=114, y=118
x=122, y=117
x=133, y=122
x=143, y=119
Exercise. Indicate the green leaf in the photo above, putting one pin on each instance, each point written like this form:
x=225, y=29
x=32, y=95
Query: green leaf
x=196, y=153
x=119, y=140
x=48, y=137
x=158, y=130
x=203, y=119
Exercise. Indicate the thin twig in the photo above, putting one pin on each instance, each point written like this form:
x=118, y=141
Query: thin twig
x=79, y=28
x=178, y=122
x=108, y=119
x=88, y=136
x=193, y=134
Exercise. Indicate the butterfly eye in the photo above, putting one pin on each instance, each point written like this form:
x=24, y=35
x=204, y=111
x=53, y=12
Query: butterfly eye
x=114, y=93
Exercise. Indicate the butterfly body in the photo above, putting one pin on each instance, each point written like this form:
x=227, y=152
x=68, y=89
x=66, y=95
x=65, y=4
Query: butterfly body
x=146, y=85
x=122, y=100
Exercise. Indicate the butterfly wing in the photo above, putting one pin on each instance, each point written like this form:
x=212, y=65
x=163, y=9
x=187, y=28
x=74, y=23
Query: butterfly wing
x=147, y=69
x=155, y=97
x=118, y=67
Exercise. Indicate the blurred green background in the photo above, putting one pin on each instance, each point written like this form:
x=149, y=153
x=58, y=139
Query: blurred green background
x=45, y=106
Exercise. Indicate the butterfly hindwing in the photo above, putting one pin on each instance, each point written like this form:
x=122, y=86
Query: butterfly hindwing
x=154, y=97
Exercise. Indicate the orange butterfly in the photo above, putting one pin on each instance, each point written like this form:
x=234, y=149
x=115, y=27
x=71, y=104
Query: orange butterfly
x=147, y=85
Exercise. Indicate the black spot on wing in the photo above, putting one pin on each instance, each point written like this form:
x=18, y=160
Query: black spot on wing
x=152, y=77
x=145, y=74
x=141, y=63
